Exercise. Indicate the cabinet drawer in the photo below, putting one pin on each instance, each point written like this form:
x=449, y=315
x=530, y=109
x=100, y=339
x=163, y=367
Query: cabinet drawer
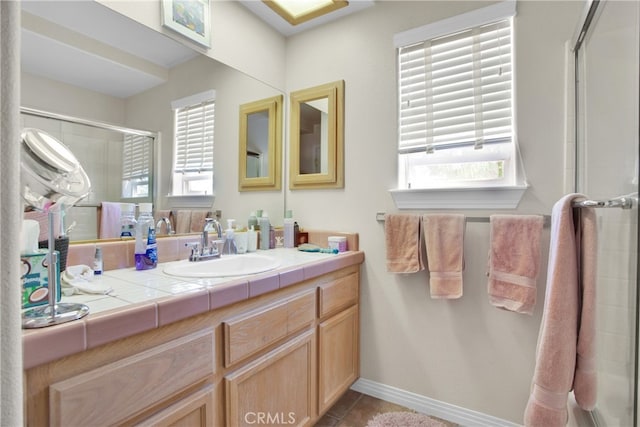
x=115, y=392
x=338, y=294
x=251, y=332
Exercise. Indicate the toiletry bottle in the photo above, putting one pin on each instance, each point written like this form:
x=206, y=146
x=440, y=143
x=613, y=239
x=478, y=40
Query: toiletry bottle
x=288, y=230
x=296, y=232
x=253, y=221
x=272, y=237
x=127, y=220
x=97, y=262
x=146, y=251
x=229, y=247
x=264, y=231
x=252, y=240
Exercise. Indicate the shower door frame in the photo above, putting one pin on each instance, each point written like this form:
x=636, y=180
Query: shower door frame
x=588, y=20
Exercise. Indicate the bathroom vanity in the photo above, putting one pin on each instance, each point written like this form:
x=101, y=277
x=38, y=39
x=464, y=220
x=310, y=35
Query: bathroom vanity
x=275, y=348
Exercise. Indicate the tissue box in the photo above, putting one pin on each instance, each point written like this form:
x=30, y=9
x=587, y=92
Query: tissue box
x=35, y=279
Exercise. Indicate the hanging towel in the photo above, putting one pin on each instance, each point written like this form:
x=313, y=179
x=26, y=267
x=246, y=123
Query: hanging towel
x=198, y=220
x=403, y=235
x=565, y=354
x=444, y=239
x=514, y=261
x=183, y=221
x=109, y=220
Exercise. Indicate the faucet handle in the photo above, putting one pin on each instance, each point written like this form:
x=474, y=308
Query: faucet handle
x=195, y=250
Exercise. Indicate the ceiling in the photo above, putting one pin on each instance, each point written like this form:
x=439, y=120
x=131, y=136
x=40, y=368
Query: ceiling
x=74, y=42
x=283, y=27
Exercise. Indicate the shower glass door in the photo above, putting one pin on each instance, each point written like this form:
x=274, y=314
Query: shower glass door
x=607, y=110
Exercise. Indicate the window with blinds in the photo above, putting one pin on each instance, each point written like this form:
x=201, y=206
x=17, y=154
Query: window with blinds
x=455, y=117
x=136, y=165
x=193, y=156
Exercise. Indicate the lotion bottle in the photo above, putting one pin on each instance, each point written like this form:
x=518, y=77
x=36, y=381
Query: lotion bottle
x=288, y=230
x=264, y=231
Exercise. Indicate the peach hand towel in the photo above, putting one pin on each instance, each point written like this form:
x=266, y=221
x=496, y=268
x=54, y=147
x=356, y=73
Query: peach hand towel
x=403, y=236
x=514, y=261
x=565, y=355
x=198, y=220
x=109, y=220
x=444, y=239
x=183, y=222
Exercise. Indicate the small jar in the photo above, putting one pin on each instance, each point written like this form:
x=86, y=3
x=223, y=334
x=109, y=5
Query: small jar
x=338, y=242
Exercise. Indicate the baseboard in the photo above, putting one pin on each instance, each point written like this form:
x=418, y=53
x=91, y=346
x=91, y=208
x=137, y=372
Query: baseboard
x=426, y=405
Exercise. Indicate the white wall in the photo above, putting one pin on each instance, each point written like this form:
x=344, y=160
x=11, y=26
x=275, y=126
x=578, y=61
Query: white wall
x=463, y=352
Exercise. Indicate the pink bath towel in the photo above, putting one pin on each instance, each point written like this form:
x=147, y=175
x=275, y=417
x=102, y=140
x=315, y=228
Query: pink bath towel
x=565, y=355
x=109, y=220
x=403, y=235
x=514, y=261
x=444, y=239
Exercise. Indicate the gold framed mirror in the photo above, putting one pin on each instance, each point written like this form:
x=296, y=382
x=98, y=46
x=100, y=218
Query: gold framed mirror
x=260, y=155
x=317, y=137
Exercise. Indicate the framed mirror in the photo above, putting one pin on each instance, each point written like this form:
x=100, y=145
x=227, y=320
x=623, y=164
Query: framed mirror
x=260, y=151
x=317, y=137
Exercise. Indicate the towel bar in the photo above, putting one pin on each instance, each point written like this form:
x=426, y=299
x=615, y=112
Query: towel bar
x=618, y=202
x=547, y=218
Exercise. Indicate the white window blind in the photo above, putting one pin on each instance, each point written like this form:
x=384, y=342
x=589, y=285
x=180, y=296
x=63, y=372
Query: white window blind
x=455, y=90
x=136, y=157
x=194, y=127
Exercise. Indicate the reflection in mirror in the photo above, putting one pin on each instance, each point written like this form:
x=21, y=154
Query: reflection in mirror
x=317, y=135
x=118, y=161
x=260, y=147
x=132, y=85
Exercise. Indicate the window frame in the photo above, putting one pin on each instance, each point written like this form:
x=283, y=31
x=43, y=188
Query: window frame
x=476, y=194
x=179, y=178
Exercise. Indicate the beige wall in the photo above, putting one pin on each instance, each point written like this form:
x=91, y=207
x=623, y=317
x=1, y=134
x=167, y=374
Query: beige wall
x=49, y=95
x=463, y=352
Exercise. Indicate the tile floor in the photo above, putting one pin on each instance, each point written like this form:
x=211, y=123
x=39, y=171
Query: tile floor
x=354, y=409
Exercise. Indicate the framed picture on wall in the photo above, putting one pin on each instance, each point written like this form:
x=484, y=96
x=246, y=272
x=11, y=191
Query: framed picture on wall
x=191, y=18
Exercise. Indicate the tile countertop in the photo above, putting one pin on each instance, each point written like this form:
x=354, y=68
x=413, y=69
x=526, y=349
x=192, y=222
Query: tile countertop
x=144, y=300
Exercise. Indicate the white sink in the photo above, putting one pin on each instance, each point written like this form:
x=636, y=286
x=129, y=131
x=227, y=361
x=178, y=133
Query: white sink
x=225, y=266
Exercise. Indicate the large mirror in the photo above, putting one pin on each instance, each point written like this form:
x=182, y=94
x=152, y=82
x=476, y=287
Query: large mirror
x=132, y=86
x=317, y=137
x=260, y=151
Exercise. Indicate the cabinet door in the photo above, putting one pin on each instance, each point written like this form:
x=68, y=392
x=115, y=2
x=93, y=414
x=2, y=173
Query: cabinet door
x=195, y=410
x=117, y=391
x=275, y=389
x=338, y=356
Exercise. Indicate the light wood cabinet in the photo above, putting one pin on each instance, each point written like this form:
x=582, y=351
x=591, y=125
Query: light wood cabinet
x=282, y=358
x=278, y=388
x=338, y=356
x=251, y=332
x=195, y=410
x=118, y=391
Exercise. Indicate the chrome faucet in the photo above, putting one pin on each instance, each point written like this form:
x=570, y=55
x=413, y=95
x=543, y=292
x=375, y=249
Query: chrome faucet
x=164, y=220
x=202, y=251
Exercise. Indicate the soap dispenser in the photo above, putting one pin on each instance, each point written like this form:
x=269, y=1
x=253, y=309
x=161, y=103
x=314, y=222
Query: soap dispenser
x=229, y=241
